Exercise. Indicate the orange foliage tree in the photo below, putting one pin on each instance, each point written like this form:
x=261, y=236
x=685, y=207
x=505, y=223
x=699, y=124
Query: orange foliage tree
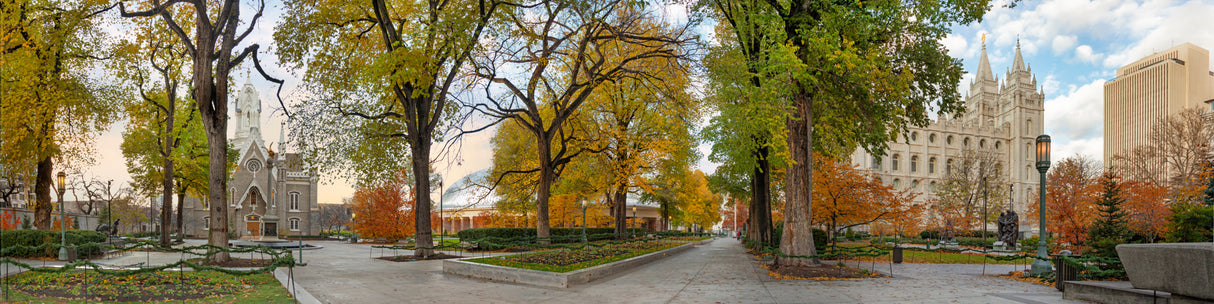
x=384, y=211
x=735, y=208
x=845, y=196
x=1148, y=212
x=1071, y=193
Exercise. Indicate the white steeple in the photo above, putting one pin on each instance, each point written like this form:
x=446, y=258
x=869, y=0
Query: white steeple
x=247, y=115
x=1018, y=63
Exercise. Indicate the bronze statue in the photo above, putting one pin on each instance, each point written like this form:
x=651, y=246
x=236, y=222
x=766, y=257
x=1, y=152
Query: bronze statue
x=1009, y=228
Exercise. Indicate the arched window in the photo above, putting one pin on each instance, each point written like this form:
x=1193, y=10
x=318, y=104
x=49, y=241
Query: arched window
x=948, y=166
x=914, y=185
x=232, y=197
x=998, y=144
x=949, y=141
x=914, y=136
x=897, y=183
x=894, y=164
x=293, y=224
x=294, y=200
x=206, y=223
x=932, y=186
x=1028, y=126
x=931, y=138
x=914, y=163
x=876, y=163
x=982, y=143
x=966, y=142
x=931, y=165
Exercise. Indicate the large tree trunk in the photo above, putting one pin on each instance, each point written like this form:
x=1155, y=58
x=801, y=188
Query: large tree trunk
x=166, y=211
x=42, y=192
x=421, y=182
x=620, y=211
x=760, y=226
x=798, y=238
x=547, y=174
x=180, y=206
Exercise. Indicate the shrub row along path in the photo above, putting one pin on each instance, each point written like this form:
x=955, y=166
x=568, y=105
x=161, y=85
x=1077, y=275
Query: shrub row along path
x=718, y=272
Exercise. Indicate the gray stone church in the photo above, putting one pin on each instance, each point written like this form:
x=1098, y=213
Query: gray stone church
x=270, y=193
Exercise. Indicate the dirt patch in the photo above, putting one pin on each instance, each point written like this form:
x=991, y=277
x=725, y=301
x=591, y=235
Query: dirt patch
x=410, y=258
x=1023, y=277
x=823, y=272
x=254, y=263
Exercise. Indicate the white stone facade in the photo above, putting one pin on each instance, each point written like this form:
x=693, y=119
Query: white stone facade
x=1001, y=116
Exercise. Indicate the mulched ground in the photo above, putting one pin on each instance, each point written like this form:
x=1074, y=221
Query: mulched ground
x=410, y=258
x=822, y=272
x=255, y=263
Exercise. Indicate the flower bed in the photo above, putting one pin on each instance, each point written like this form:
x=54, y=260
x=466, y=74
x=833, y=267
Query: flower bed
x=566, y=260
x=204, y=286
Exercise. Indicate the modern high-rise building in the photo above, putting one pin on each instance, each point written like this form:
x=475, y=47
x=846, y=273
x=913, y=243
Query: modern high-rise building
x=1002, y=116
x=1148, y=90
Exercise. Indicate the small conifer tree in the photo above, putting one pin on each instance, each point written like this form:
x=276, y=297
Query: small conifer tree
x=1110, y=229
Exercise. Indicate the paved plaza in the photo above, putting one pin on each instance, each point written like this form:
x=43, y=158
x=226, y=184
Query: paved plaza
x=718, y=272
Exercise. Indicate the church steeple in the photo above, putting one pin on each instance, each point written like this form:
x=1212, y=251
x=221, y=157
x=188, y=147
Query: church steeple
x=1018, y=63
x=984, y=66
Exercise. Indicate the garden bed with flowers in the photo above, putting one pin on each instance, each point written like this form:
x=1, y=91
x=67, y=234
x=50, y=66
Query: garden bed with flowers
x=187, y=286
x=563, y=267
x=566, y=260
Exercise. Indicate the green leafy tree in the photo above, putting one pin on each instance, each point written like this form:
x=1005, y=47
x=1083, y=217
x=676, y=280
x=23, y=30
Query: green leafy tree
x=402, y=60
x=49, y=109
x=858, y=73
x=216, y=35
x=1110, y=229
x=1190, y=223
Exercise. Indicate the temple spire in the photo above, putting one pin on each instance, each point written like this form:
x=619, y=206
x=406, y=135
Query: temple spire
x=1018, y=63
x=984, y=66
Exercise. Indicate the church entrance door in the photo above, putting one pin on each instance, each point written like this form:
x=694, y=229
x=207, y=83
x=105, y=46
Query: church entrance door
x=253, y=228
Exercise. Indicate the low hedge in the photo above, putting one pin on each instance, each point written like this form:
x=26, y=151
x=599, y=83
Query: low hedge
x=33, y=238
x=528, y=235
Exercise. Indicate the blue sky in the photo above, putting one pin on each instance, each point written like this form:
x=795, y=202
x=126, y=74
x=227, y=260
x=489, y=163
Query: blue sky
x=1072, y=46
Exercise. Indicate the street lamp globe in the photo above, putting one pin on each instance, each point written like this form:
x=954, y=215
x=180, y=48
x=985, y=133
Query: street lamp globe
x=1043, y=152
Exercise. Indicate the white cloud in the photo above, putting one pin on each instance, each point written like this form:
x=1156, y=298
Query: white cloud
x=1049, y=85
x=1077, y=114
x=955, y=44
x=1189, y=22
x=1084, y=53
x=1061, y=44
x=1067, y=147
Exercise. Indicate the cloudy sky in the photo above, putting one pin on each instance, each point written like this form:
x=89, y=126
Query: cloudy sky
x=1072, y=46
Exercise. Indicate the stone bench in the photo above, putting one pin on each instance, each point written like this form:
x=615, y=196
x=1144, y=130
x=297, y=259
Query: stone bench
x=1185, y=269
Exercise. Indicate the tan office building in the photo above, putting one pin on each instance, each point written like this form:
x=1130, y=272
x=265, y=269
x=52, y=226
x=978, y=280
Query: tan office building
x=1150, y=89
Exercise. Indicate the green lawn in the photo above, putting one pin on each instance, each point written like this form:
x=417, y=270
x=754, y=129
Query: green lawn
x=219, y=288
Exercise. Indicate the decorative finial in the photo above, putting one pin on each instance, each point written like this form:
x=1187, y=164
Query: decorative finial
x=984, y=40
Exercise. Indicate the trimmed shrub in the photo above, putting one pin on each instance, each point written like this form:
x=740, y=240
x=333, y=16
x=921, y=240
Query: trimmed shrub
x=14, y=240
x=929, y=234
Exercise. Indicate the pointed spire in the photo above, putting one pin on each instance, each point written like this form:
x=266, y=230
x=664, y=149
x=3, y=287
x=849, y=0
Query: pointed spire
x=1018, y=63
x=984, y=66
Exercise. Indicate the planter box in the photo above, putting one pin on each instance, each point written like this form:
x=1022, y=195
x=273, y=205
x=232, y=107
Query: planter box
x=1185, y=269
x=553, y=279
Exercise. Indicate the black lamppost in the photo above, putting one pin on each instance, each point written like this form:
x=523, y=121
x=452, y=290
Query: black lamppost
x=584, y=205
x=634, y=216
x=1041, y=265
x=62, y=219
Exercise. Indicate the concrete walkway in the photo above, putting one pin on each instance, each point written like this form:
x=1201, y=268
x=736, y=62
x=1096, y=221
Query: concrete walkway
x=719, y=272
